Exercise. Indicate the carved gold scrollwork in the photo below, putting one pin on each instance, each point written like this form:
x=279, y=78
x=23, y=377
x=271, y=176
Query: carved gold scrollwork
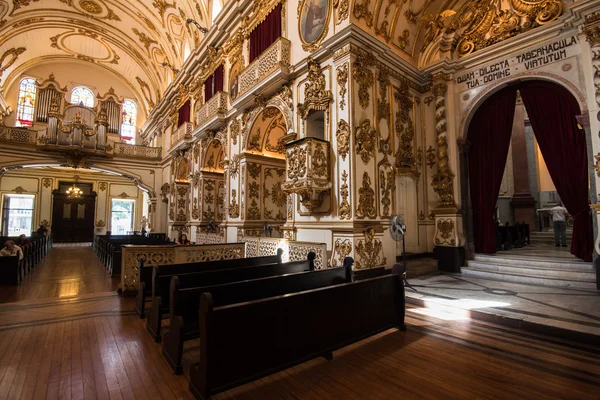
x=405, y=158
x=319, y=161
x=342, y=6
x=361, y=10
x=344, y=210
x=369, y=252
x=343, y=138
x=365, y=136
x=341, y=249
x=342, y=80
x=316, y=97
x=446, y=231
x=366, y=199
x=234, y=208
x=443, y=180
x=364, y=76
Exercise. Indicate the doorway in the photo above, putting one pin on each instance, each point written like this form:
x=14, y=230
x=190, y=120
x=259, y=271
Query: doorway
x=552, y=111
x=73, y=212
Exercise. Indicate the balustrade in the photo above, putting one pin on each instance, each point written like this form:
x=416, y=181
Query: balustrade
x=215, y=106
x=274, y=57
x=136, y=151
x=182, y=133
x=18, y=135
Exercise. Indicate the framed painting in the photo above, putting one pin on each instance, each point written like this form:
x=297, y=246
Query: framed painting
x=233, y=81
x=313, y=22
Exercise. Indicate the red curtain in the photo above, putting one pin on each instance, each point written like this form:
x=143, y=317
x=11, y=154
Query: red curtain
x=489, y=133
x=184, y=113
x=552, y=110
x=265, y=33
x=208, y=88
x=218, y=79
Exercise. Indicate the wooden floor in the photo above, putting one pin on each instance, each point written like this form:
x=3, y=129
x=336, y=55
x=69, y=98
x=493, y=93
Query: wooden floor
x=93, y=346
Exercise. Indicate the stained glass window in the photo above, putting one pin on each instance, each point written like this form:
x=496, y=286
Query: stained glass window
x=26, y=102
x=83, y=95
x=129, y=121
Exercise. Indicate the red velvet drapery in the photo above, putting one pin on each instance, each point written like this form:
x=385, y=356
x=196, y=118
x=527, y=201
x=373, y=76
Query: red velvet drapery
x=265, y=33
x=489, y=133
x=552, y=110
x=218, y=79
x=208, y=88
x=184, y=113
x=214, y=83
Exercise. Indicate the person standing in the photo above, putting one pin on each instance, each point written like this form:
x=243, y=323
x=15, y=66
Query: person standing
x=559, y=225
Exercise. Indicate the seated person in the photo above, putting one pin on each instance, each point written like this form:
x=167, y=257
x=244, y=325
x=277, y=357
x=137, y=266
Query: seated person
x=22, y=241
x=183, y=240
x=11, y=250
x=42, y=231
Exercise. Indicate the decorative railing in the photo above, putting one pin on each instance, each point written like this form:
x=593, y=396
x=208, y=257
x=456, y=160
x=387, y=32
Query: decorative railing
x=182, y=133
x=215, y=105
x=136, y=151
x=292, y=250
x=274, y=57
x=18, y=136
x=171, y=254
x=307, y=171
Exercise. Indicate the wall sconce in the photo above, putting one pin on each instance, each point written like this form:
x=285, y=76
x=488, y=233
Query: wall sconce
x=200, y=27
x=167, y=65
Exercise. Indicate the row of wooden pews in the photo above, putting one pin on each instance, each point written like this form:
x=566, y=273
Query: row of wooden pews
x=13, y=270
x=274, y=314
x=508, y=237
x=108, y=247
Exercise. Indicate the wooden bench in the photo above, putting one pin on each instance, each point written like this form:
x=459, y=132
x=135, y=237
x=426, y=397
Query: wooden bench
x=10, y=270
x=184, y=321
x=32, y=254
x=161, y=302
x=243, y=342
x=148, y=275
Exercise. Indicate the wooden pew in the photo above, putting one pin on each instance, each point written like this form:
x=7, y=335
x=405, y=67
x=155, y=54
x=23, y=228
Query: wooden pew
x=148, y=275
x=161, y=302
x=184, y=321
x=243, y=342
x=10, y=270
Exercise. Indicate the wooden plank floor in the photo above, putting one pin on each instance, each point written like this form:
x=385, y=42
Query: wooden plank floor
x=93, y=346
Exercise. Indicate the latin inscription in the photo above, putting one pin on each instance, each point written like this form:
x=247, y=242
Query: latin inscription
x=531, y=59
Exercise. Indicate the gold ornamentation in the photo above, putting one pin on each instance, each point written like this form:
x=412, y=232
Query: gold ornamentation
x=342, y=79
x=195, y=210
x=341, y=249
x=319, y=161
x=47, y=182
x=100, y=224
x=254, y=170
x=234, y=129
x=421, y=216
x=316, y=98
x=383, y=106
x=234, y=208
x=22, y=3
x=446, y=229
x=404, y=39
x=296, y=167
x=27, y=22
x=365, y=137
x=10, y=57
x=343, y=138
x=386, y=185
x=443, y=180
x=146, y=92
x=597, y=165
x=342, y=6
x=364, y=76
x=431, y=157
x=19, y=190
x=361, y=10
x=366, y=199
x=369, y=252
x=344, y=210
x=405, y=131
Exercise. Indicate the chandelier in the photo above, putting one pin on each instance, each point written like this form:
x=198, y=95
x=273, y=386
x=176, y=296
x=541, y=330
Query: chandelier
x=74, y=192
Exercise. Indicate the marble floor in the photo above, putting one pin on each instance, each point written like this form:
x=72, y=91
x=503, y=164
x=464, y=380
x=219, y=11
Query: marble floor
x=571, y=312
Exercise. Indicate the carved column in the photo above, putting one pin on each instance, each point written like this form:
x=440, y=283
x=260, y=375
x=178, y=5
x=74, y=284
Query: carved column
x=523, y=204
x=449, y=237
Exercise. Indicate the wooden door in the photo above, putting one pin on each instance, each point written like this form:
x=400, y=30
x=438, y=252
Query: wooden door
x=73, y=218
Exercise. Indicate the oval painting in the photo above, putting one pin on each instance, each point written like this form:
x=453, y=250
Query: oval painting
x=313, y=19
x=233, y=81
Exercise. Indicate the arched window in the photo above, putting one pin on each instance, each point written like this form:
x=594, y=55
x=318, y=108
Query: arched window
x=26, y=102
x=83, y=95
x=129, y=121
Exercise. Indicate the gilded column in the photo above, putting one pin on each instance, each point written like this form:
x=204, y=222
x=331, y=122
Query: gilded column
x=449, y=236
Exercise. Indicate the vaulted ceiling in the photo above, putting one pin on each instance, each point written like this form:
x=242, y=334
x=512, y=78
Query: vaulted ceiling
x=131, y=39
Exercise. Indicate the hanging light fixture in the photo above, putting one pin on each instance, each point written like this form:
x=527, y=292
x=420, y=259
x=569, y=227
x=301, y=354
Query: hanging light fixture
x=74, y=192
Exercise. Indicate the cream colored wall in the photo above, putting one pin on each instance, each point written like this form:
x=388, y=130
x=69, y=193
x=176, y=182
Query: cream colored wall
x=72, y=75
x=42, y=181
